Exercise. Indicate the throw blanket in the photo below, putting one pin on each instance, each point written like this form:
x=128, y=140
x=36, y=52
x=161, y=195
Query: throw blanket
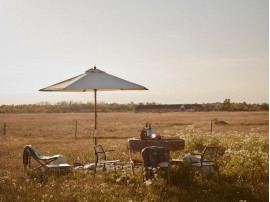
x=207, y=167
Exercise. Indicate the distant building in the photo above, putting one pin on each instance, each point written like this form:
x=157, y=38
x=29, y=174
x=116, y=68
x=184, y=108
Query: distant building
x=182, y=108
x=167, y=108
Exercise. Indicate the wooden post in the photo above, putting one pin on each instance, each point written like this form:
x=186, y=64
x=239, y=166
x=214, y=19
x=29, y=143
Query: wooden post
x=76, y=130
x=211, y=127
x=5, y=126
x=95, y=131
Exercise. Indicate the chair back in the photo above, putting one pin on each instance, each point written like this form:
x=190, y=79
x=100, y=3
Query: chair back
x=99, y=152
x=30, y=151
x=209, y=154
x=35, y=154
x=155, y=157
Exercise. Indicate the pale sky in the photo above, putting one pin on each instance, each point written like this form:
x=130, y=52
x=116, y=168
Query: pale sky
x=182, y=51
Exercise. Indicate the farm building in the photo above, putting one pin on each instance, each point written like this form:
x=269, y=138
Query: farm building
x=175, y=107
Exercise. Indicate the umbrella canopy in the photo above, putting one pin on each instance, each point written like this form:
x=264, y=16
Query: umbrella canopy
x=93, y=80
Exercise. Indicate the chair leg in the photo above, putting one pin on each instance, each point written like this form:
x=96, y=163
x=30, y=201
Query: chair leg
x=217, y=169
x=132, y=167
x=169, y=178
x=95, y=168
x=29, y=161
x=142, y=174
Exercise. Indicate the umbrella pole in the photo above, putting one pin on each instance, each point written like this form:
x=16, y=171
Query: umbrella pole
x=95, y=131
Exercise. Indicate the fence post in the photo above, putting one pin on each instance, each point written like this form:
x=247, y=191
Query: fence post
x=76, y=130
x=211, y=127
x=5, y=126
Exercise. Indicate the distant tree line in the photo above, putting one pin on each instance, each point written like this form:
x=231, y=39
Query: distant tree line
x=71, y=106
x=227, y=105
x=66, y=107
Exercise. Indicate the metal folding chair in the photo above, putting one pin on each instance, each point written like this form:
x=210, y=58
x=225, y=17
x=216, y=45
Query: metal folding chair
x=43, y=161
x=208, y=158
x=100, y=157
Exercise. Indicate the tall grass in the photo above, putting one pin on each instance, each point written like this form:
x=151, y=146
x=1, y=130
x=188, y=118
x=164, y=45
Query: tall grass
x=243, y=157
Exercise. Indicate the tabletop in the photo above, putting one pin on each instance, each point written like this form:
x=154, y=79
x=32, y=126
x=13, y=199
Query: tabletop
x=171, y=144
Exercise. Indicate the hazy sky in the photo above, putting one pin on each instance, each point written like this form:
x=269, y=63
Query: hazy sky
x=182, y=51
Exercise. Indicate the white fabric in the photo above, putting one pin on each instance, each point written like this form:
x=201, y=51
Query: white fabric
x=60, y=160
x=93, y=79
x=207, y=167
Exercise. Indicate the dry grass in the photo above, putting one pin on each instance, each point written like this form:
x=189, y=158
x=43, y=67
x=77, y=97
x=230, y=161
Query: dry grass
x=54, y=133
x=127, y=124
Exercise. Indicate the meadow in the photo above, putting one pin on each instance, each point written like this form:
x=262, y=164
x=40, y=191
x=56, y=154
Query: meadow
x=243, y=156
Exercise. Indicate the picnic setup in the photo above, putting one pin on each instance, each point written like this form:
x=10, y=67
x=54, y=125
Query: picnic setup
x=147, y=154
x=148, y=151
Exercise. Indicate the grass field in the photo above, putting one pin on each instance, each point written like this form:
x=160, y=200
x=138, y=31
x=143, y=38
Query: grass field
x=243, y=156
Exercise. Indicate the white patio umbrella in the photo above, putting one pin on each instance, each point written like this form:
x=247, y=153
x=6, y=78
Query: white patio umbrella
x=93, y=80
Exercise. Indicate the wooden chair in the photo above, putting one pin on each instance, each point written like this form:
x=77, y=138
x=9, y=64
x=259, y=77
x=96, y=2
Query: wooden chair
x=100, y=157
x=155, y=157
x=43, y=161
x=135, y=161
